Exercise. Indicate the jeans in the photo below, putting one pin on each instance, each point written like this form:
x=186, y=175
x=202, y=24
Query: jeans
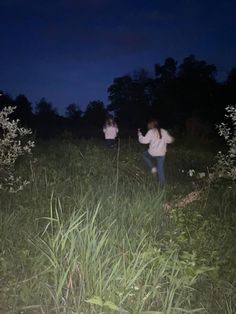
x=110, y=143
x=157, y=162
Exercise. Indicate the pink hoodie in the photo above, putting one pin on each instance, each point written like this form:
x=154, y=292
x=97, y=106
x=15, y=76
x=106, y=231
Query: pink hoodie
x=110, y=132
x=157, y=145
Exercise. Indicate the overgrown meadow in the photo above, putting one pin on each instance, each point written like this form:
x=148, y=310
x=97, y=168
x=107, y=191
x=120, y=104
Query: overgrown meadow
x=94, y=233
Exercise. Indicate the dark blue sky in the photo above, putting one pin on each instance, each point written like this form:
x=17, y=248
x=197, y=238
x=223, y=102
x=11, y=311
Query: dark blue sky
x=70, y=50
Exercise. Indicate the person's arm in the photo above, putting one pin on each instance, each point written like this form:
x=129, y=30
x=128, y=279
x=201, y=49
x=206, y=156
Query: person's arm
x=116, y=131
x=168, y=138
x=145, y=139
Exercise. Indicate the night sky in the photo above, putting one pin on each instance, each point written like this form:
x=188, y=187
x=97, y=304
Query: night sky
x=70, y=50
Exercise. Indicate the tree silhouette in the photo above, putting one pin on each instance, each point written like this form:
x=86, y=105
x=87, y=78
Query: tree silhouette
x=5, y=100
x=74, y=119
x=45, y=109
x=95, y=113
x=185, y=95
x=167, y=71
x=229, y=88
x=197, y=89
x=23, y=110
x=163, y=91
x=185, y=91
x=130, y=98
x=231, y=80
x=73, y=112
x=47, y=119
x=119, y=96
x=195, y=70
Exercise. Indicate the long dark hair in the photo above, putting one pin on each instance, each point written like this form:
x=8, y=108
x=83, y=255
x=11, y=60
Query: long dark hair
x=154, y=124
x=110, y=122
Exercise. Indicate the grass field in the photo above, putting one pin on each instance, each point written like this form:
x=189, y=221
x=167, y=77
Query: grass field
x=92, y=233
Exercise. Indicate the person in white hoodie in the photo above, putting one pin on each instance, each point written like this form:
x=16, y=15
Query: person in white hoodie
x=154, y=157
x=110, y=131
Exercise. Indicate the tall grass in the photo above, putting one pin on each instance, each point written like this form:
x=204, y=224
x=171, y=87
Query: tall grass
x=91, y=235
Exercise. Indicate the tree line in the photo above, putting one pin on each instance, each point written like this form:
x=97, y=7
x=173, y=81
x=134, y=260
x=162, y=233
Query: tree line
x=185, y=96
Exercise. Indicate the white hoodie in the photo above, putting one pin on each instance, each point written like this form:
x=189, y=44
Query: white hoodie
x=157, y=145
x=110, y=132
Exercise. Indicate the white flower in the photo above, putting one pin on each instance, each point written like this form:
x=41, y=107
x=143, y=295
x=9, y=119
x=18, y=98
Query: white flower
x=226, y=162
x=12, y=146
x=201, y=175
x=191, y=172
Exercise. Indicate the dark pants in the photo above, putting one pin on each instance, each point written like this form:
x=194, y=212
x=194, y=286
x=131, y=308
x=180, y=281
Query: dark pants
x=110, y=143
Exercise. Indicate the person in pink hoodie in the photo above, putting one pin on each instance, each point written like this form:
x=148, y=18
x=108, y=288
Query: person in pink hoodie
x=154, y=157
x=110, y=131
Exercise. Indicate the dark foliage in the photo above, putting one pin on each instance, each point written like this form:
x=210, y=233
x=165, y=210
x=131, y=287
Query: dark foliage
x=186, y=97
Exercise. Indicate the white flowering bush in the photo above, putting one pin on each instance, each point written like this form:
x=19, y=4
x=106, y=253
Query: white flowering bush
x=13, y=145
x=226, y=162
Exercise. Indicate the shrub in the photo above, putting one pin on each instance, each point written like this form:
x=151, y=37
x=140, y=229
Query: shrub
x=13, y=145
x=226, y=162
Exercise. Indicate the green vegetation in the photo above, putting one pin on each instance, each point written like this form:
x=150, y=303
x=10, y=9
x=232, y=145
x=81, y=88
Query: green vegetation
x=92, y=234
